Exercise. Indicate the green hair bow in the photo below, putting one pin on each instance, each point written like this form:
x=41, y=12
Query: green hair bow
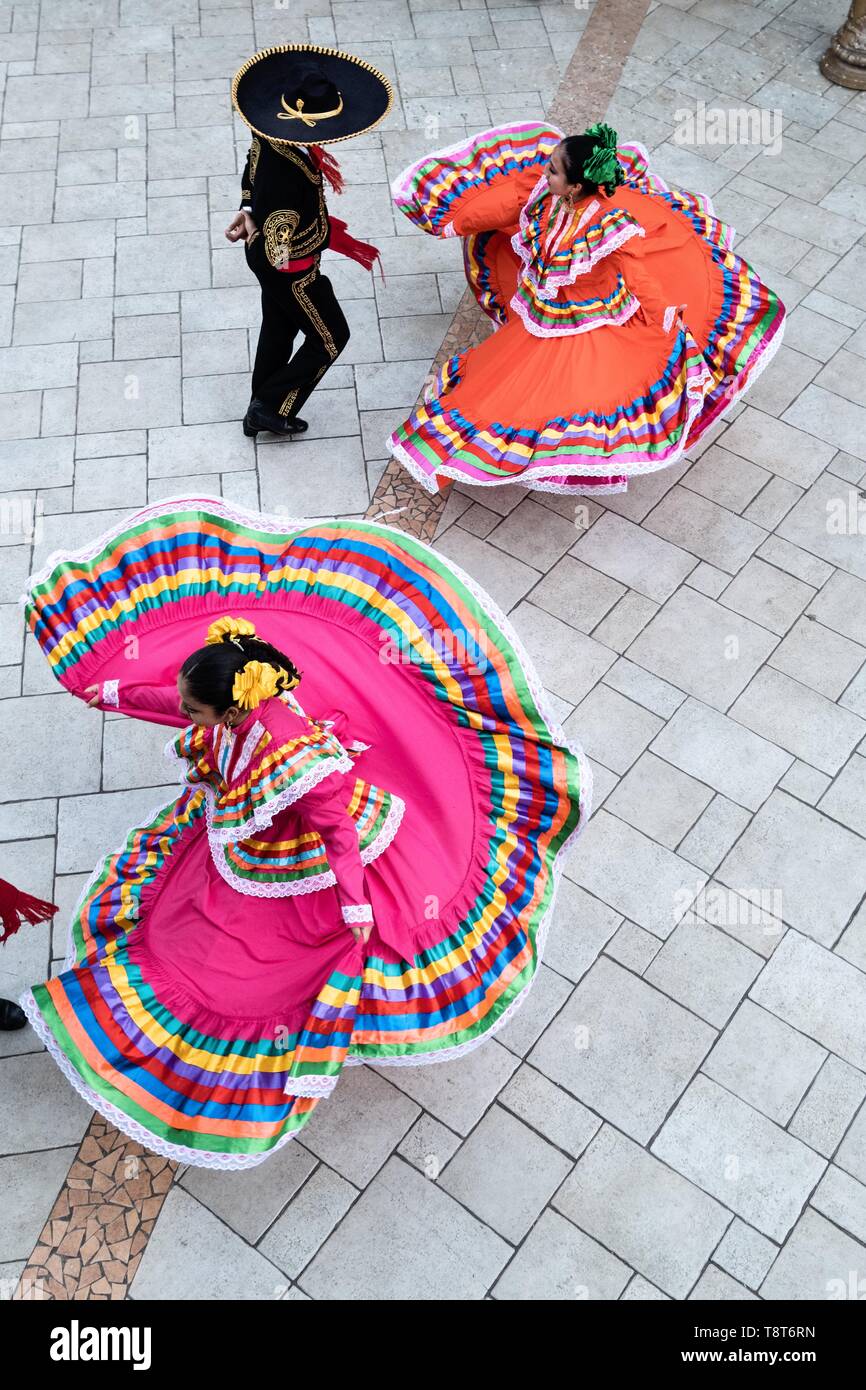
x=603, y=167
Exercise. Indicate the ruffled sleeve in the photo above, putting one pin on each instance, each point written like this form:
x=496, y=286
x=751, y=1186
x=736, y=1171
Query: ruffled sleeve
x=268, y=772
x=479, y=184
x=555, y=254
x=193, y=749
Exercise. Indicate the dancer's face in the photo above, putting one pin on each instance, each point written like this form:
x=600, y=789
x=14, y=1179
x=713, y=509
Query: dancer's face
x=196, y=712
x=558, y=179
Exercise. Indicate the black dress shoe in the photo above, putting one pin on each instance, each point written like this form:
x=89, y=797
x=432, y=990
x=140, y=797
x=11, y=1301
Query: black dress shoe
x=11, y=1017
x=258, y=418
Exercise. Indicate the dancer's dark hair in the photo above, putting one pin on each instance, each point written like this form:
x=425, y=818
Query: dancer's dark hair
x=210, y=671
x=590, y=159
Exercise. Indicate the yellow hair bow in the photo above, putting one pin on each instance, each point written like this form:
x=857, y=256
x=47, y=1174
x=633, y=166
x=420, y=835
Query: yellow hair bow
x=229, y=627
x=256, y=682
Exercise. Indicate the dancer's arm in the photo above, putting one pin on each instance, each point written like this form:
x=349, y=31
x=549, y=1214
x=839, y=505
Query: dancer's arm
x=242, y=227
x=494, y=208
x=323, y=809
x=159, y=704
x=644, y=285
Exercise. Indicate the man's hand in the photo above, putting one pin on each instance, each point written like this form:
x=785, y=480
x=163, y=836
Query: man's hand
x=241, y=227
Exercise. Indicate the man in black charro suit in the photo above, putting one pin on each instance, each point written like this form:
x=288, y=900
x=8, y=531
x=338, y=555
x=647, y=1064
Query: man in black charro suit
x=323, y=96
x=284, y=219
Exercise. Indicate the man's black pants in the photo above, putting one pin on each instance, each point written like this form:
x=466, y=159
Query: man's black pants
x=292, y=303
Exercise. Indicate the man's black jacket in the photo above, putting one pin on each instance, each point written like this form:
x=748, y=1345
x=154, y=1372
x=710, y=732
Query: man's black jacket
x=284, y=194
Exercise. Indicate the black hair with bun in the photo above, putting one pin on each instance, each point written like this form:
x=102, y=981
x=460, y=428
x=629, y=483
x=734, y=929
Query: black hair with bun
x=210, y=671
x=590, y=159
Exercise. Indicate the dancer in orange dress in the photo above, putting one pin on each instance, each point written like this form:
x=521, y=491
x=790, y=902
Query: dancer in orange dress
x=625, y=324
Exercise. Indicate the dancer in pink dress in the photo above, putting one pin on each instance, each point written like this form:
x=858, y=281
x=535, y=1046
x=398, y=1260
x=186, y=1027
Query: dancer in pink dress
x=366, y=876
x=285, y=814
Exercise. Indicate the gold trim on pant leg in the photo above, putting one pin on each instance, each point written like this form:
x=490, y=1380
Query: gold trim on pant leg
x=306, y=304
x=288, y=402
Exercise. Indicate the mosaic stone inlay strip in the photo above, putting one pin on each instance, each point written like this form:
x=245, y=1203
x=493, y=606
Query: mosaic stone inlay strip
x=91, y=1245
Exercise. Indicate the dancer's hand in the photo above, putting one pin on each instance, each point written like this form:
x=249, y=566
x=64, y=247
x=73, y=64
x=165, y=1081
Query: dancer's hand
x=362, y=933
x=94, y=700
x=241, y=227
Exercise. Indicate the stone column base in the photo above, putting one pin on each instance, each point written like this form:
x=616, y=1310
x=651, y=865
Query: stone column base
x=845, y=60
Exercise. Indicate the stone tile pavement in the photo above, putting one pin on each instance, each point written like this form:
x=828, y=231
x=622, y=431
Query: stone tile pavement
x=678, y=1110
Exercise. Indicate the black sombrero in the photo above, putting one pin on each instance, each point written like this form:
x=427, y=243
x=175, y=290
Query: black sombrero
x=303, y=94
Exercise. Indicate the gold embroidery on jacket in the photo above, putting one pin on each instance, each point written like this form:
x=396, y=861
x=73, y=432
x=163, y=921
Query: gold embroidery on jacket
x=255, y=151
x=310, y=238
x=278, y=230
x=284, y=242
x=288, y=153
